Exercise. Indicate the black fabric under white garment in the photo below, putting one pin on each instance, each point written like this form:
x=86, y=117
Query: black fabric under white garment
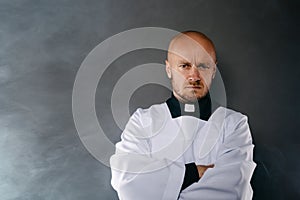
x=202, y=110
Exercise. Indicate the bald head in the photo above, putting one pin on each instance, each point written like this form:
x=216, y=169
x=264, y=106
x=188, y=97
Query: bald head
x=191, y=65
x=192, y=39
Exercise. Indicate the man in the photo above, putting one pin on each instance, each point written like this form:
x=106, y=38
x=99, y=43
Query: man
x=188, y=147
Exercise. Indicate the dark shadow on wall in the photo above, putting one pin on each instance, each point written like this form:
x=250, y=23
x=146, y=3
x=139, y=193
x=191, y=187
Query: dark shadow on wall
x=268, y=181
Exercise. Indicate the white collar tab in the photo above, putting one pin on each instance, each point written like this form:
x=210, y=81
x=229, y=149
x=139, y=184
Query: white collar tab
x=189, y=107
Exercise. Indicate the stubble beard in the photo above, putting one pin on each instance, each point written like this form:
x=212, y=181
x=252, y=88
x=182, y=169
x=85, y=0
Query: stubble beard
x=190, y=96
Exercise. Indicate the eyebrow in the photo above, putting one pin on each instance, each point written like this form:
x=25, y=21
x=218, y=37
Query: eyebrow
x=184, y=61
x=187, y=62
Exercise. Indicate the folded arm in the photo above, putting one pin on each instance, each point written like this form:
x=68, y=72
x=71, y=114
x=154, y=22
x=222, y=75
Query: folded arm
x=232, y=171
x=136, y=174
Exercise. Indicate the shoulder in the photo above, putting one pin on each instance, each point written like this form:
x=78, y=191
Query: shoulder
x=236, y=125
x=233, y=117
x=156, y=111
x=231, y=120
x=145, y=122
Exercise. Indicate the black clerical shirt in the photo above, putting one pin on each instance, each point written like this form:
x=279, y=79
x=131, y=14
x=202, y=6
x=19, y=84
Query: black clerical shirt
x=203, y=110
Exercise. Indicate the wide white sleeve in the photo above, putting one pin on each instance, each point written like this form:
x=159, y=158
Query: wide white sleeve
x=234, y=166
x=136, y=174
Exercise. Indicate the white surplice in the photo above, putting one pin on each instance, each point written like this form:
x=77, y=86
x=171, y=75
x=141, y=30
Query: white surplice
x=149, y=163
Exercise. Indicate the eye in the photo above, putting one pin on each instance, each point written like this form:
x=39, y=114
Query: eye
x=184, y=66
x=203, y=66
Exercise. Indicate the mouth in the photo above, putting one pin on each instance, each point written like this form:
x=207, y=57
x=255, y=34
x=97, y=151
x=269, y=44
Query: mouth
x=194, y=87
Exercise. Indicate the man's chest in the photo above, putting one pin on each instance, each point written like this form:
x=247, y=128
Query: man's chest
x=187, y=139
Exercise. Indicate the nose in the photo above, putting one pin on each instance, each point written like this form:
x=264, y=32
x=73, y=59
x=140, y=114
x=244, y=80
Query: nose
x=194, y=74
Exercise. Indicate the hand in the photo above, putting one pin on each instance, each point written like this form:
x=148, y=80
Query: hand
x=202, y=168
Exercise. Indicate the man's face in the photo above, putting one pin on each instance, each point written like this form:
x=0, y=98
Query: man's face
x=191, y=68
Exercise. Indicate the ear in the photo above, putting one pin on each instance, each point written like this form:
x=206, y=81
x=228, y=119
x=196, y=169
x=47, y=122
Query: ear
x=168, y=69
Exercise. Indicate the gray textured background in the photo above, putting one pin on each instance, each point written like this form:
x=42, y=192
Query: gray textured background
x=42, y=44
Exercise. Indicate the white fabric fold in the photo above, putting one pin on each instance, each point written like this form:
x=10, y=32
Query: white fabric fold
x=150, y=159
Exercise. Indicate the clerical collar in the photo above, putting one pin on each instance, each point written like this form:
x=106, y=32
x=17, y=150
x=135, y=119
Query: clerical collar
x=201, y=109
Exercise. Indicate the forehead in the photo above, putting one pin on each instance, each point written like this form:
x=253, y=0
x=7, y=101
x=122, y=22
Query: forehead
x=191, y=49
